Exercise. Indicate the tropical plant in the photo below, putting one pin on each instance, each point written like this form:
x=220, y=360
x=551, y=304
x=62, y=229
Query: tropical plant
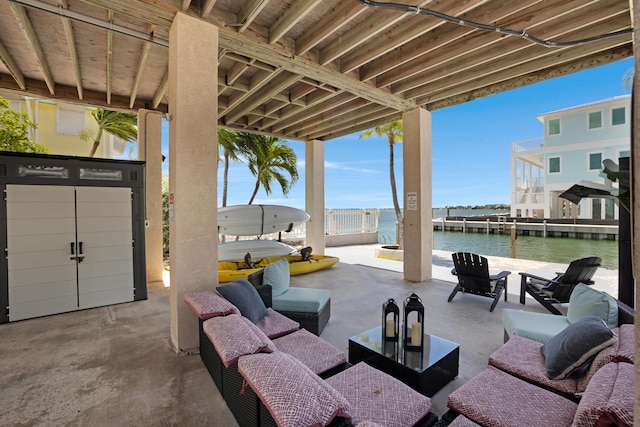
x=232, y=148
x=14, y=131
x=165, y=216
x=393, y=132
x=116, y=123
x=269, y=158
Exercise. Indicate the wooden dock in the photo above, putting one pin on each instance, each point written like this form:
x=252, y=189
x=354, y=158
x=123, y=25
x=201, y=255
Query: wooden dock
x=580, y=229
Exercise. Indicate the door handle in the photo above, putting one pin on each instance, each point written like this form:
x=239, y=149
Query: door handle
x=78, y=257
x=80, y=248
x=72, y=249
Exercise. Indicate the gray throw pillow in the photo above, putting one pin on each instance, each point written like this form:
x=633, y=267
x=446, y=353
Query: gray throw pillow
x=245, y=297
x=576, y=346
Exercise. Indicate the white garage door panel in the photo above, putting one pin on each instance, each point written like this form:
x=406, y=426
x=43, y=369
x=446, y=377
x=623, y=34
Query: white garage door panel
x=47, y=263
x=98, y=272
x=47, y=242
x=43, y=308
x=101, y=240
x=24, y=293
x=22, y=227
x=35, y=276
x=105, y=269
x=105, y=224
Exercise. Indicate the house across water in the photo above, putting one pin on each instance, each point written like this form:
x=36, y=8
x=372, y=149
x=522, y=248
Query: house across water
x=576, y=141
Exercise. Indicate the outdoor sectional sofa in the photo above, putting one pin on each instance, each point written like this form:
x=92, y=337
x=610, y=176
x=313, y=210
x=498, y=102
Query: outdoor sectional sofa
x=255, y=364
x=582, y=376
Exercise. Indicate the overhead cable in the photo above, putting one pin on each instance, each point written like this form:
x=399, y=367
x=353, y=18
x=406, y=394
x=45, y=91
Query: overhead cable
x=479, y=26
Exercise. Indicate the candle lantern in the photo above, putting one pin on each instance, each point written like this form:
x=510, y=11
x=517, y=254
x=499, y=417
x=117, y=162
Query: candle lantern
x=390, y=321
x=413, y=328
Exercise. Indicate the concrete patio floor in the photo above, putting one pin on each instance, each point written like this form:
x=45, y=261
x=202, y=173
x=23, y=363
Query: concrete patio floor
x=112, y=366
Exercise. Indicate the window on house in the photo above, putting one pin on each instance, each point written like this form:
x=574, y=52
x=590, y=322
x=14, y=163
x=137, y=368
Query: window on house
x=618, y=116
x=609, y=211
x=596, y=208
x=554, y=127
x=554, y=164
x=625, y=153
x=70, y=120
x=595, y=161
x=595, y=120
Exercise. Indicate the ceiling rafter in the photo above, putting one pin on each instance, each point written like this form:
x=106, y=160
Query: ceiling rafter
x=73, y=50
x=257, y=97
x=109, y=58
x=250, y=10
x=11, y=65
x=375, y=112
x=291, y=110
x=319, y=108
x=207, y=5
x=30, y=33
x=519, y=51
x=339, y=16
x=364, y=31
x=474, y=40
x=258, y=80
x=401, y=34
x=161, y=91
x=295, y=12
x=315, y=123
x=142, y=62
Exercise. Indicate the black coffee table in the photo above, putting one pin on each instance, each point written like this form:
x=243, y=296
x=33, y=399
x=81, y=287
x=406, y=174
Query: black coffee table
x=426, y=372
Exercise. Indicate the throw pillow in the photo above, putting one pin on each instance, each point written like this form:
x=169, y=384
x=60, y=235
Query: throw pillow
x=586, y=301
x=244, y=296
x=575, y=347
x=277, y=275
x=208, y=304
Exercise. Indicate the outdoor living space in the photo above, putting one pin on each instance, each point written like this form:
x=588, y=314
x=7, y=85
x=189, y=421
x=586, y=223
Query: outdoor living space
x=114, y=365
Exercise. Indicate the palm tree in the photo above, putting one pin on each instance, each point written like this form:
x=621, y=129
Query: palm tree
x=268, y=157
x=232, y=148
x=119, y=124
x=393, y=132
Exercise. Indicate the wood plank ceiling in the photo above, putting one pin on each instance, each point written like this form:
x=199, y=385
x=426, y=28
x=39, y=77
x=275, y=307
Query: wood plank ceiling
x=305, y=69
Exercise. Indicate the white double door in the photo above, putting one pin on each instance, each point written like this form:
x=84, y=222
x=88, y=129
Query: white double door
x=68, y=248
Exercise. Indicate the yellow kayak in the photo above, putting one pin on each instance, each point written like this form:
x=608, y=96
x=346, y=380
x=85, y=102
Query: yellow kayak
x=229, y=271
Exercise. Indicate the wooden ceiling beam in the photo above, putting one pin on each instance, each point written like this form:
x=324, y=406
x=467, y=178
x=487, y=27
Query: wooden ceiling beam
x=274, y=86
x=73, y=50
x=516, y=51
x=338, y=17
x=30, y=33
x=505, y=69
x=299, y=116
x=403, y=33
x=258, y=80
x=109, y=59
x=186, y=4
x=250, y=10
x=274, y=56
x=475, y=40
x=291, y=110
x=294, y=13
x=581, y=64
x=161, y=91
x=329, y=117
x=361, y=126
x=376, y=23
x=207, y=5
x=142, y=62
x=11, y=65
x=351, y=121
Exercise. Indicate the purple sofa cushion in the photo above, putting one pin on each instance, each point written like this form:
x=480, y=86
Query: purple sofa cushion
x=275, y=325
x=495, y=398
x=462, y=421
x=608, y=399
x=293, y=394
x=379, y=397
x=208, y=304
x=234, y=336
x=314, y=352
x=522, y=358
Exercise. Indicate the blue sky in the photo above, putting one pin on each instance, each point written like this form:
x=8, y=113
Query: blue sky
x=471, y=148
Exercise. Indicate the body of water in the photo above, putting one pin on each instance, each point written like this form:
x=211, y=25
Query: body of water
x=548, y=249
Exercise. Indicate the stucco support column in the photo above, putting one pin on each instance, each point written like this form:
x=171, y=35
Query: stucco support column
x=314, y=190
x=418, y=226
x=150, y=150
x=193, y=145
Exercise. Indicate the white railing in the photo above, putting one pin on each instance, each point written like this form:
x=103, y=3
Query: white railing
x=336, y=221
x=527, y=144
